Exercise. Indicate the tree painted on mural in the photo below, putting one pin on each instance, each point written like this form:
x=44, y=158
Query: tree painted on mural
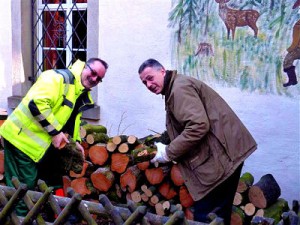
x=202, y=49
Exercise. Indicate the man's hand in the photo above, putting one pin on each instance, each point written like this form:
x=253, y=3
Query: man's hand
x=161, y=155
x=59, y=139
x=80, y=148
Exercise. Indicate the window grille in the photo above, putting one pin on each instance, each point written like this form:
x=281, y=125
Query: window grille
x=59, y=33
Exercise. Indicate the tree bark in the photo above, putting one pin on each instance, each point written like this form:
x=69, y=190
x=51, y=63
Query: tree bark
x=90, y=128
x=129, y=180
x=246, y=180
x=95, y=138
x=265, y=192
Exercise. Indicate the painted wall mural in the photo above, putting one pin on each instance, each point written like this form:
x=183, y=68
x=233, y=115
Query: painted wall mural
x=238, y=43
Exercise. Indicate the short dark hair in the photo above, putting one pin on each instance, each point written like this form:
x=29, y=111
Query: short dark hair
x=92, y=60
x=150, y=63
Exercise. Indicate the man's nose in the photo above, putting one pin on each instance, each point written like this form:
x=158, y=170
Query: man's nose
x=148, y=84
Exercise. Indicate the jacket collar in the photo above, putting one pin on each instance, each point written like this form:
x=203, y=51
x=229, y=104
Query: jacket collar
x=76, y=70
x=168, y=81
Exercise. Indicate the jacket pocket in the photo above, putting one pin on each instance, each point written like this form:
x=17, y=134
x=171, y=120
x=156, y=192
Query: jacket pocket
x=206, y=167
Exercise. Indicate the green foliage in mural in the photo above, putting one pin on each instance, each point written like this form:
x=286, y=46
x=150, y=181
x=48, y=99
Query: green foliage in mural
x=201, y=48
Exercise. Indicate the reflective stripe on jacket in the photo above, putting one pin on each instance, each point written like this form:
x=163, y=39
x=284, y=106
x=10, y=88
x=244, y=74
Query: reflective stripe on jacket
x=45, y=109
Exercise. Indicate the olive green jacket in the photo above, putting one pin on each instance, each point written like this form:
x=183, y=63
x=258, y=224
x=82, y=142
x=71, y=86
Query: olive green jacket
x=208, y=140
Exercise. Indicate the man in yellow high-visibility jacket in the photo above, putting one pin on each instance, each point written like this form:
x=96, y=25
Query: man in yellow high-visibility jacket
x=52, y=107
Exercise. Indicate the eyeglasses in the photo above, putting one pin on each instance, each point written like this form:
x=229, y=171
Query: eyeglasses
x=94, y=73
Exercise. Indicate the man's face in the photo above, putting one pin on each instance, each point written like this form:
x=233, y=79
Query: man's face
x=92, y=74
x=153, y=78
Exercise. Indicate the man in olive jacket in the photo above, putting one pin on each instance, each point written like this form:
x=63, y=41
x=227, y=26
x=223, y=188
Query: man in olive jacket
x=208, y=140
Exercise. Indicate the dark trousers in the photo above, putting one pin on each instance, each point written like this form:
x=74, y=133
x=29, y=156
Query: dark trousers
x=50, y=169
x=219, y=199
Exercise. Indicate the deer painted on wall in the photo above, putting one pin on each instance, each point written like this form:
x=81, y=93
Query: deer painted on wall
x=237, y=18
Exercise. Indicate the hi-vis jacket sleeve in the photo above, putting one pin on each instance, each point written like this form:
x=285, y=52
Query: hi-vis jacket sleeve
x=44, y=98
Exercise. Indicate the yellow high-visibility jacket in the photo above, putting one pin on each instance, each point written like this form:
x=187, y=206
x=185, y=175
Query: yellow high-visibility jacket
x=45, y=109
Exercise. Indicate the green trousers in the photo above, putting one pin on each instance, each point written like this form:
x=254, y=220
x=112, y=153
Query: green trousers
x=19, y=165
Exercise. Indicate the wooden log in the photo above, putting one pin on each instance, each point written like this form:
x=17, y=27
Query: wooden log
x=249, y=209
x=217, y=221
x=110, y=146
x=95, y=138
x=70, y=157
x=149, y=191
x=156, y=198
x=262, y=221
x=259, y=212
x=67, y=210
x=87, y=169
x=66, y=183
x=98, y=154
x=80, y=186
x=156, y=175
x=103, y=178
x=159, y=210
x=185, y=197
x=132, y=207
x=245, y=181
x=171, y=207
x=123, y=148
x=276, y=209
x=241, y=198
x=295, y=206
x=142, y=154
x=189, y=213
x=136, y=196
x=167, y=190
x=143, y=165
x=35, y=210
x=176, y=175
x=115, y=214
x=119, y=139
x=83, y=209
x=10, y=204
x=119, y=162
x=136, y=216
x=132, y=139
x=290, y=218
x=176, y=218
x=29, y=203
x=265, y=192
x=94, y=208
x=144, y=197
x=130, y=179
x=90, y=128
x=237, y=216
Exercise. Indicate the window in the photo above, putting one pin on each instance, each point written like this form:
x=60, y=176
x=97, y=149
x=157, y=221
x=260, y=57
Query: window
x=59, y=33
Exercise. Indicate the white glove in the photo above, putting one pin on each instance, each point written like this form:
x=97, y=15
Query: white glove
x=161, y=155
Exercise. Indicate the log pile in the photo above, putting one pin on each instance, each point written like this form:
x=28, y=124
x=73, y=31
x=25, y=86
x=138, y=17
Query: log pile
x=120, y=168
x=259, y=203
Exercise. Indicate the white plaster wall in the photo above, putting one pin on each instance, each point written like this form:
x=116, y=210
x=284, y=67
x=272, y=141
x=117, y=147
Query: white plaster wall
x=130, y=32
x=5, y=54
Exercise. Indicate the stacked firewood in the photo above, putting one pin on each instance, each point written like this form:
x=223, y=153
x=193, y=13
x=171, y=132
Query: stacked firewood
x=259, y=203
x=120, y=168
